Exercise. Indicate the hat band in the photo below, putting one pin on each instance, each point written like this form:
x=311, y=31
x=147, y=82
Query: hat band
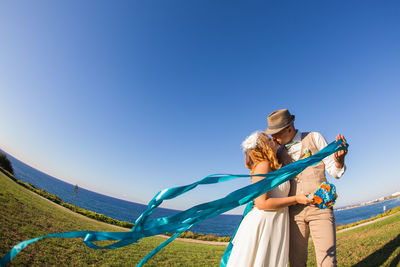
x=279, y=126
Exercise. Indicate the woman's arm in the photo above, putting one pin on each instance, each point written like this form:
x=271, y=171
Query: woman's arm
x=265, y=202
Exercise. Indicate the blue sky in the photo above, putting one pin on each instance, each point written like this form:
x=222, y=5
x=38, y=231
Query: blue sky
x=129, y=97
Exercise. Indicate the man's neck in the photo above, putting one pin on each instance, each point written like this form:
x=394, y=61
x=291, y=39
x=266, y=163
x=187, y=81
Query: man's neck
x=294, y=134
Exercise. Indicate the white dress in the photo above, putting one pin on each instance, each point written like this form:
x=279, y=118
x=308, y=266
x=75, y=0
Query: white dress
x=263, y=236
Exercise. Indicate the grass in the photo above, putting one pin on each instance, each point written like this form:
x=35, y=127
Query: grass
x=56, y=199
x=24, y=216
x=186, y=234
x=387, y=213
x=375, y=244
x=103, y=218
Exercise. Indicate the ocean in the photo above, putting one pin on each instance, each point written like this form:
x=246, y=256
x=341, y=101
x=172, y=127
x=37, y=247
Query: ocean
x=223, y=225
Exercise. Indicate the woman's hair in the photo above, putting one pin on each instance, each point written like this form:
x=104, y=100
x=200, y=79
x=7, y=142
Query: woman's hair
x=257, y=148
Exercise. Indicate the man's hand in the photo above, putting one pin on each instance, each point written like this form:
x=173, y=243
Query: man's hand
x=339, y=156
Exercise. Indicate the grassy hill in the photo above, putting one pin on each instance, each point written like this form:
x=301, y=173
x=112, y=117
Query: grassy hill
x=24, y=215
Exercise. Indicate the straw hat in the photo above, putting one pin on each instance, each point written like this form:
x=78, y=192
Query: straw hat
x=279, y=120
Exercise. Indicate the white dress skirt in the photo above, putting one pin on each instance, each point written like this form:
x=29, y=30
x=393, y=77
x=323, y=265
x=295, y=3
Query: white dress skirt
x=263, y=236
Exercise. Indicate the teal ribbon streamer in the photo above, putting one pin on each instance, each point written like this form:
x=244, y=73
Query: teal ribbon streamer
x=184, y=220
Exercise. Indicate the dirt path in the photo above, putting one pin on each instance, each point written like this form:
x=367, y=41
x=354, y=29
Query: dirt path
x=366, y=223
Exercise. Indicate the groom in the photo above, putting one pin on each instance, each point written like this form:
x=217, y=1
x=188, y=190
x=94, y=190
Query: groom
x=306, y=219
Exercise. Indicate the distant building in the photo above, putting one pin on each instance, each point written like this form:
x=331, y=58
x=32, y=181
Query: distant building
x=396, y=194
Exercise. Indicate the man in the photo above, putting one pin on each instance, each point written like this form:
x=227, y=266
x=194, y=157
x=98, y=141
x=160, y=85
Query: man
x=295, y=145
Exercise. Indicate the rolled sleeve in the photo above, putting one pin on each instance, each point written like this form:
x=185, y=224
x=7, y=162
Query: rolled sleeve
x=330, y=164
x=334, y=171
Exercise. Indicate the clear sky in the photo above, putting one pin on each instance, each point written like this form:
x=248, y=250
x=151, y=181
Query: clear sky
x=130, y=97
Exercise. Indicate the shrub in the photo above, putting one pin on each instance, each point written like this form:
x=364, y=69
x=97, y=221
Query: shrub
x=5, y=163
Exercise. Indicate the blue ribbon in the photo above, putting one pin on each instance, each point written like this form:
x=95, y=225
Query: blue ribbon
x=184, y=220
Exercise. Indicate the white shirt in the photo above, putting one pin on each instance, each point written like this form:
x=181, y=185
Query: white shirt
x=295, y=150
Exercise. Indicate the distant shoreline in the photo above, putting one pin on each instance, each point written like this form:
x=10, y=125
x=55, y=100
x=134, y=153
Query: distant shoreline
x=367, y=203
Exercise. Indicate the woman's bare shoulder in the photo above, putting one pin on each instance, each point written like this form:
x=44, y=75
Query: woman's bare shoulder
x=262, y=167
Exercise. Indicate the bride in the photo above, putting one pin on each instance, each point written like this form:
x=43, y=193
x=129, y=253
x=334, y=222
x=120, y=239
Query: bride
x=262, y=238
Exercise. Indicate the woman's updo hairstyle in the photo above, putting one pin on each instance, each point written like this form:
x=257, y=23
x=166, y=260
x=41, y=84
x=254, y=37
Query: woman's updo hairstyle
x=257, y=148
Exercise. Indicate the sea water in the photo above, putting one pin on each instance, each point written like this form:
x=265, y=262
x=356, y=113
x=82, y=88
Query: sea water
x=223, y=225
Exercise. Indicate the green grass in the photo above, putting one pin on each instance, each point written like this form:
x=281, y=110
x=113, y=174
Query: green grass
x=387, y=213
x=103, y=218
x=56, y=199
x=375, y=244
x=24, y=215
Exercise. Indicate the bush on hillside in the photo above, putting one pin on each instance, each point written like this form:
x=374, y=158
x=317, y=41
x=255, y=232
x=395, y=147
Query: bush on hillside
x=5, y=163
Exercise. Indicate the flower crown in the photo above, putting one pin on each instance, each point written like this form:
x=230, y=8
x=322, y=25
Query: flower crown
x=251, y=141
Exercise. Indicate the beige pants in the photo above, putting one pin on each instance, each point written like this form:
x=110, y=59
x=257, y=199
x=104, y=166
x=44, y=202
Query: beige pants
x=321, y=224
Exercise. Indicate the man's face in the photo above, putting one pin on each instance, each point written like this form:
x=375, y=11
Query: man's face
x=274, y=146
x=283, y=137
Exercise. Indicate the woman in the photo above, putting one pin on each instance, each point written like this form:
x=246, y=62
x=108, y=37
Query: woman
x=263, y=235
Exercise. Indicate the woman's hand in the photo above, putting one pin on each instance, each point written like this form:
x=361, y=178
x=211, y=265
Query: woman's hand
x=303, y=199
